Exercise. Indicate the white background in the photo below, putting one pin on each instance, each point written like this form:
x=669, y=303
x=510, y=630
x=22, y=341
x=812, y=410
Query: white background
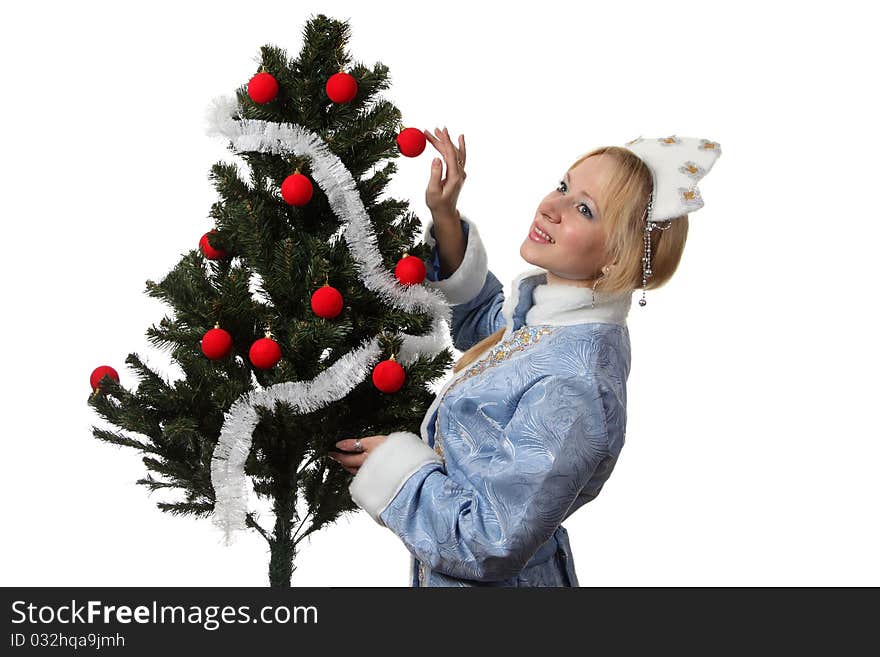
x=751, y=455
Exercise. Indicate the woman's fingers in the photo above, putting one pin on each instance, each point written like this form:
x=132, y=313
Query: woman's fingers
x=367, y=443
x=350, y=460
x=448, y=149
x=458, y=152
x=454, y=160
x=439, y=146
x=435, y=139
x=443, y=143
x=439, y=194
x=455, y=154
x=434, y=186
x=352, y=469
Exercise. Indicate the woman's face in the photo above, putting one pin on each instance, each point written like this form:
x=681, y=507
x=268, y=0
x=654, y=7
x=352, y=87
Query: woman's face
x=571, y=216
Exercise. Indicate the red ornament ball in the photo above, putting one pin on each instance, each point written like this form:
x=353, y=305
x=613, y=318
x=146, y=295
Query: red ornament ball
x=341, y=87
x=327, y=302
x=410, y=270
x=262, y=88
x=99, y=372
x=388, y=376
x=209, y=251
x=411, y=142
x=216, y=344
x=265, y=353
x=297, y=189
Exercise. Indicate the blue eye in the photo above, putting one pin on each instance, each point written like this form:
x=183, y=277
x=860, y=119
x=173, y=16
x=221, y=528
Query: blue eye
x=589, y=212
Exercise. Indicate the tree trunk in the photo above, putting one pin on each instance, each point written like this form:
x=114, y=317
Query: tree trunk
x=282, y=546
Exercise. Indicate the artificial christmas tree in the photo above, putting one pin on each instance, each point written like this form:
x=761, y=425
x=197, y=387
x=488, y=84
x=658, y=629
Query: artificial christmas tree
x=254, y=415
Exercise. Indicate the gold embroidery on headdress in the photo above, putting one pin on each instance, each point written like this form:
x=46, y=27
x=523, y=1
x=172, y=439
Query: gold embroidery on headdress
x=690, y=197
x=692, y=169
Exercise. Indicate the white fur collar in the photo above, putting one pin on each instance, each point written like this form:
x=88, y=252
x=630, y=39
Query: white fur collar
x=562, y=304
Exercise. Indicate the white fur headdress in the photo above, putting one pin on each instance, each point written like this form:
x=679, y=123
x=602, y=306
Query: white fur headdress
x=676, y=164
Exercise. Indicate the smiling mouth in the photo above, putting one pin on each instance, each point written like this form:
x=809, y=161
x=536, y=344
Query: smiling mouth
x=537, y=235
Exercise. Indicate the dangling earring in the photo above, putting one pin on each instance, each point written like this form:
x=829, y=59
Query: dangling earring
x=605, y=271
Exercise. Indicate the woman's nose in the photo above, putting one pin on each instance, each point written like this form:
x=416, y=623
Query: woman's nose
x=550, y=214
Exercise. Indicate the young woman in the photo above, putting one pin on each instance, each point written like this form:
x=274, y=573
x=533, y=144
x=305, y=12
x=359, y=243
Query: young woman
x=531, y=425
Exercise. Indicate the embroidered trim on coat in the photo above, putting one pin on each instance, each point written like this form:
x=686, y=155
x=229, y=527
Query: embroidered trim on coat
x=518, y=340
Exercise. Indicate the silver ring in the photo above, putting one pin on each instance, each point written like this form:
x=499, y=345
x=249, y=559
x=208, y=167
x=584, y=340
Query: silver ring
x=357, y=445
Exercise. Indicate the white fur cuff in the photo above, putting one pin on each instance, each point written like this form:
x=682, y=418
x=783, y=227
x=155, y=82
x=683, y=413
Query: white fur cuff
x=386, y=469
x=466, y=281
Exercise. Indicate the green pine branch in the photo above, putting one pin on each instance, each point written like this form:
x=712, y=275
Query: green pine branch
x=280, y=254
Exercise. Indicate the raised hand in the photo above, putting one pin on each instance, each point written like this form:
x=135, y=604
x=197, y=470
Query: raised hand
x=441, y=196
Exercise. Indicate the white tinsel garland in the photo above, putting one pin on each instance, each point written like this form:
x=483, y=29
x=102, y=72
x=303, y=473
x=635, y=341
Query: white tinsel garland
x=334, y=383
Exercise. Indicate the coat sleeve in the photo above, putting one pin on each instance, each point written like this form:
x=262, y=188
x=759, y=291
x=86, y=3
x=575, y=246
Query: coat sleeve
x=511, y=495
x=475, y=293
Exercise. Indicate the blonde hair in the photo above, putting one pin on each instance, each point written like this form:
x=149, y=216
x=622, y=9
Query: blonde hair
x=626, y=197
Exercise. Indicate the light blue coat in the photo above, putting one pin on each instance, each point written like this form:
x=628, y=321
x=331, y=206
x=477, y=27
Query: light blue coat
x=513, y=444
